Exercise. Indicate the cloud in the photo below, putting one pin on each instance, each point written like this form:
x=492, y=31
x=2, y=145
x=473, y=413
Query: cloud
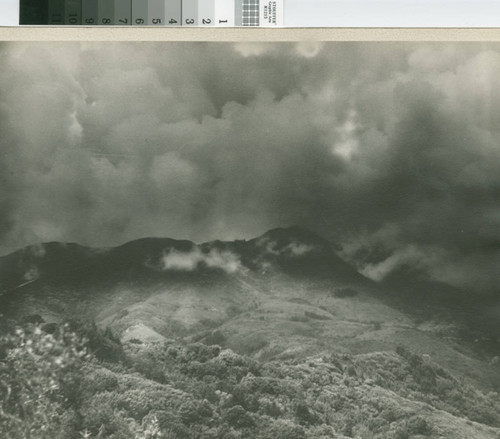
x=298, y=249
x=293, y=249
x=38, y=251
x=382, y=147
x=411, y=256
x=31, y=274
x=190, y=261
x=181, y=261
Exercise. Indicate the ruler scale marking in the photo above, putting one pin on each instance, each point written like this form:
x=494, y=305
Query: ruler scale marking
x=89, y=12
x=139, y=12
x=203, y=13
x=206, y=13
x=123, y=12
x=105, y=12
x=190, y=12
x=73, y=12
x=156, y=12
x=56, y=12
x=173, y=12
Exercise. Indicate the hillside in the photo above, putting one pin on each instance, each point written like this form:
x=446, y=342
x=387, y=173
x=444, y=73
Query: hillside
x=295, y=338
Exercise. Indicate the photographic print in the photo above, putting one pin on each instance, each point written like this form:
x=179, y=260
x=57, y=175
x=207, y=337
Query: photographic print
x=216, y=240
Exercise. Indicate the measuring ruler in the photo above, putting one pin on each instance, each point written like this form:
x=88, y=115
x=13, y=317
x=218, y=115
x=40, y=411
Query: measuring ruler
x=199, y=13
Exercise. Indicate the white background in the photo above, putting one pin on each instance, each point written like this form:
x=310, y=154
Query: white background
x=393, y=13
x=9, y=12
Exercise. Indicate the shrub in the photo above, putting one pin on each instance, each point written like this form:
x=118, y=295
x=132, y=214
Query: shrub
x=344, y=292
x=150, y=428
x=188, y=412
x=299, y=318
x=98, y=380
x=34, y=319
x=101, y=343
x=303, y=414
x=39, y=377
x=50, y=328
x=269, y=407
x=135, y=341
x=418, y=425
x=313, y=315
x=215, y=338
x=237, y=417
x=284, y=429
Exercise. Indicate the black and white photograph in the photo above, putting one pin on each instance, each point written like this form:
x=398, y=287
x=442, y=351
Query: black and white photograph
x=249, y=240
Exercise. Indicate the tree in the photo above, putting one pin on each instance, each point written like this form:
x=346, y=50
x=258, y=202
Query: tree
x=38, y=374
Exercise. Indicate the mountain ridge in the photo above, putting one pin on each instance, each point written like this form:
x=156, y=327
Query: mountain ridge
x=284, y=291
x=52, y=257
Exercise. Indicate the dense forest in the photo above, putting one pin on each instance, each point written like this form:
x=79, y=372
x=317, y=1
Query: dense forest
x=76, y=380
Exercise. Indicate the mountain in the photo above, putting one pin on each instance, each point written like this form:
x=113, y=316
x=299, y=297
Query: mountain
x=284, y=300
x=164, y=284
x=291, y=250
x=289, y=281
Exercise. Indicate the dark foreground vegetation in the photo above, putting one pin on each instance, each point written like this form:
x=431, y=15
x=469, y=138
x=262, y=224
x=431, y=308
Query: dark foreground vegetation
x=76, y=380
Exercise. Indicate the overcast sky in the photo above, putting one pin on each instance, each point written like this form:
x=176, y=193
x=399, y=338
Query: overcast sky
x=392, y=150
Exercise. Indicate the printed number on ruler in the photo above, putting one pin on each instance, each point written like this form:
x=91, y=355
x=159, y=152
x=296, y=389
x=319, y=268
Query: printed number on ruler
x=123, y=12
x=156, y=12
x=206, y=13
x=227, y=13
x=190, y=12
x=139, y=12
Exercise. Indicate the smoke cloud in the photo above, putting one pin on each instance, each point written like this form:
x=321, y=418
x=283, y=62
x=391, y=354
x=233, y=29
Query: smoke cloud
x=389, y=149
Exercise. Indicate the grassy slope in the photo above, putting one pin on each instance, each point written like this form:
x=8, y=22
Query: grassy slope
x=268, y=316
